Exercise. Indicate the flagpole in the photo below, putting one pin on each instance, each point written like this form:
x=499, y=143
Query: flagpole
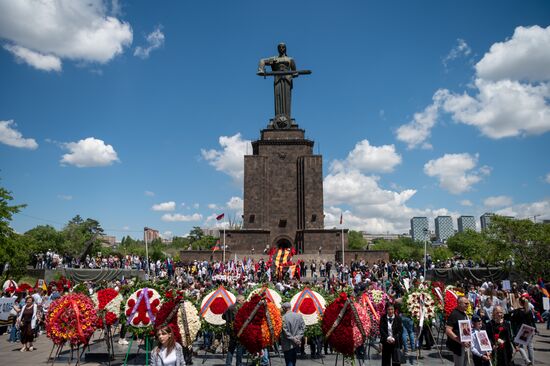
x=224, y=241
x=147, y=253
x=342, y=227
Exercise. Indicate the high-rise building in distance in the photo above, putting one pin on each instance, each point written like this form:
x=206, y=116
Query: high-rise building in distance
x=485, y=220
x=419, y=229
x=444, y=228
x=466, y=223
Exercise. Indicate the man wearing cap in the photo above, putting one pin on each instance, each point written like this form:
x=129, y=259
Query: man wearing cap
x=481, y=358
x=291, y=336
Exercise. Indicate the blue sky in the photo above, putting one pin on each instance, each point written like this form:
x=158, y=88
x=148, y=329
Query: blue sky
x=138, y=113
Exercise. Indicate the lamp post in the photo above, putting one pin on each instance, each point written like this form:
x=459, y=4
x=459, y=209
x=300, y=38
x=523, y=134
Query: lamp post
x=426, y=232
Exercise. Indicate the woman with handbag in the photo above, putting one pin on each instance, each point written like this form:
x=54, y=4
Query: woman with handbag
x=27, y=321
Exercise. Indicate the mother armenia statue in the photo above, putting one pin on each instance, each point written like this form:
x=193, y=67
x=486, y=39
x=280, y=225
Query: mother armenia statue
x=283, y=69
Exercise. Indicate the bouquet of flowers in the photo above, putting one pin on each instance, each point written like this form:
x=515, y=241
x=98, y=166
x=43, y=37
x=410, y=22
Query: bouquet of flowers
x=309, y=304
x=167, y=315
x=438, y=290
x=420, y=303
x=451, y=301
x=270, y=294
x=258, y=324
x=71, y=318
x=141, y=308
x=346, y=325
x=107, y=304
x=379, y=299
x=189, y=323
x=373, y=315
x=215, y=304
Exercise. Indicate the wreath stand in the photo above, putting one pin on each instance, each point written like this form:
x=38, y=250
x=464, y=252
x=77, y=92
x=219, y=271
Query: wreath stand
x=347, y=305
x=147, y=351
x=223, y=349
x=419, y=353
x=262, y=302
x=109, y=341
x=57, y=352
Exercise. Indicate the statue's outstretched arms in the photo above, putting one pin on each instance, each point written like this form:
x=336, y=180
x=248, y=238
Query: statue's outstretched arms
x=266, y=61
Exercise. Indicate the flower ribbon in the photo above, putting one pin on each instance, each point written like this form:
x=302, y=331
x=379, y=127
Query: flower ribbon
x=269, y=323
x=78, y=326
x=358, y=321
x=143, y=296
x=371, y=307
x=185, y=324
x=339, y=319
x=250, y=317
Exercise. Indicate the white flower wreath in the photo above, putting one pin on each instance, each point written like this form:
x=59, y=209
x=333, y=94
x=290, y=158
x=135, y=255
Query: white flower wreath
x=193, y=322
x=147, y=321
x=272, y=294
x=314, y=299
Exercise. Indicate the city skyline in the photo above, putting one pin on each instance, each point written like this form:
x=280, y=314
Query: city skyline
x=432, y=110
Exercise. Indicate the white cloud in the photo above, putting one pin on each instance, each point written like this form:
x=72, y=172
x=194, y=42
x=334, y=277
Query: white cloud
x=46, y=30
x=525, y=56
x=461, y=49
x=164, y=206
x=213, y=206
x=90, y=152
x=181, y=218
x=455, y=172
x=497, y=201
x=196, y=206
x=10, y=136
x=367, y=158
x=149, y=193
x=35, y=59
x=65, y=197
x=416, y=132
x=541, y=209
x=547, y=179
x=155, y=40
x=512, y=92
x=230, y=159
x=368, y=206
x=235, y=203
x=167, y=235
x=466, y=203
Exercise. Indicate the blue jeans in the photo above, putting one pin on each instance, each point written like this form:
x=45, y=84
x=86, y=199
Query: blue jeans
x=290, y=357
x=408, y=333
x=234, y=347
x=14, y=334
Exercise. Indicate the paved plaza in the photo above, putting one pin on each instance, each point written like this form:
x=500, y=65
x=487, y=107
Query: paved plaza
x=11, y=356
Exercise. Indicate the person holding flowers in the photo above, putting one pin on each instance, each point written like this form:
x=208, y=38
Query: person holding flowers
x=168, y=352
x=500, y=334
x=391, y=334
x=292, y=333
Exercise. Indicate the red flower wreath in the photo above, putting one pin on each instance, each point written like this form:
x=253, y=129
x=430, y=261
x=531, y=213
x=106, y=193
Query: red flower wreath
x=257, y=334
x=346, y=336
x=71, y=318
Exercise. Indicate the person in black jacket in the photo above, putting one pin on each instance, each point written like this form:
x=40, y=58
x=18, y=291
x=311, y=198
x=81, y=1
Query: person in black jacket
x=391, y=334
x=234, y=345
x=520, y=316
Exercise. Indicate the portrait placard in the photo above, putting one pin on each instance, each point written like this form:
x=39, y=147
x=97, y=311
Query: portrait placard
x=465, y=329
x=525, y=335
x=484, y=343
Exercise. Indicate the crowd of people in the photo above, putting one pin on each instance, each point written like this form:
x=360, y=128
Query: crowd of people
x=497, y=310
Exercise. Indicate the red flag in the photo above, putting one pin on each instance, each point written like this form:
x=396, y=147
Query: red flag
x=216, y=247
x=341, y=218
x=220, y=216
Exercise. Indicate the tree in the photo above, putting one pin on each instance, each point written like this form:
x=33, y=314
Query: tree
x=469, y=244
x=356, y=240
x=45, y=237
x=196, y=233
x=13, y=250
x=524, y=242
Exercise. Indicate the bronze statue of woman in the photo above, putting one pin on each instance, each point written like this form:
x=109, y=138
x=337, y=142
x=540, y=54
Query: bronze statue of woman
x=282, y=68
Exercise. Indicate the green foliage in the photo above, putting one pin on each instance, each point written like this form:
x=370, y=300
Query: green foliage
x=205, y=243
x=44, y=237
x=528, y=243
x=13, y=249
x=402, y=248
x=356, y=240
x=469, y=244
x=180, y=242
x=441, y=254
x=196, y=234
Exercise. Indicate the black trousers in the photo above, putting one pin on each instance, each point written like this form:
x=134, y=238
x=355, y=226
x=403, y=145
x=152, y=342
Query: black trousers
x=390, y=355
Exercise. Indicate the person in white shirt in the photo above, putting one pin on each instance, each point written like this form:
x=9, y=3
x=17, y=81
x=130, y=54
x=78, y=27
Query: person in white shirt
x=480, y=358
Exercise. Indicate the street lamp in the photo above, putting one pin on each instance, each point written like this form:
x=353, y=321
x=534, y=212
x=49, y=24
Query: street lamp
x=426, y=232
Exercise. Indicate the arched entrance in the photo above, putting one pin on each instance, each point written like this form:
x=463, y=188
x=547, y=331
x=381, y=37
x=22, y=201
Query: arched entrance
x=282, y=241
